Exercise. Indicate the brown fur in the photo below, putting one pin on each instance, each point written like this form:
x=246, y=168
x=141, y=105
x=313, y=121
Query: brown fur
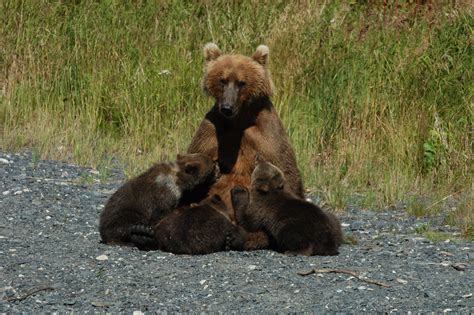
x=242, y=86
x=199, y=229
x=145, y=199
x=295, y=226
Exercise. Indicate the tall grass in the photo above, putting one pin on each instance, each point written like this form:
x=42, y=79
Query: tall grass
x=378, y=99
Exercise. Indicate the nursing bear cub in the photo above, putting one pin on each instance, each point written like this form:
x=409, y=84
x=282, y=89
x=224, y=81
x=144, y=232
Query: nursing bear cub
x=199, y=229
x=147, y=198
x=294, y=226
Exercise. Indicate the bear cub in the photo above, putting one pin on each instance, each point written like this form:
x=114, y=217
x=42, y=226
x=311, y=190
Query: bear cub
x=295, y=226
x=199, y=229
x=147, y=198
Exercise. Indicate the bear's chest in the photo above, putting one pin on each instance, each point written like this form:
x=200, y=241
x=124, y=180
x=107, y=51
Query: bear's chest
x=237, y=153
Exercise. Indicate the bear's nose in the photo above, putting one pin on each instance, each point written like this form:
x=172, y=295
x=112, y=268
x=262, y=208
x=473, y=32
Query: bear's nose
x=226, y=110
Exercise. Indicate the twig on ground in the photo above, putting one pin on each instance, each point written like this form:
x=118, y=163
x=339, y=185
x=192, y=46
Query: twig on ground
x=460, y=266
x=345, y=271
x=442, y=199
x=27, y=294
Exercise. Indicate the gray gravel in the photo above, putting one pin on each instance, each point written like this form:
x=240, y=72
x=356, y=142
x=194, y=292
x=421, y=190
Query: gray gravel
x=49, y=242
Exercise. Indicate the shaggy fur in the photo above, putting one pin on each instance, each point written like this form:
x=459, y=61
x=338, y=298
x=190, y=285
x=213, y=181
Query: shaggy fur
x=295, y=226
x=145, y=199
x=200, y=229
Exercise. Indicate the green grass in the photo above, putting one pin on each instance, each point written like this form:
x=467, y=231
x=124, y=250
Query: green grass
x=377, y=100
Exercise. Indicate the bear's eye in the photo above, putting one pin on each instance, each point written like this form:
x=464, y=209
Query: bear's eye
x=223, y=82
x=241, y=84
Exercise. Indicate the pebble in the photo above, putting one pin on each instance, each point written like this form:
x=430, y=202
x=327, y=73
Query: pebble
x=102, y=257
x=4, y=161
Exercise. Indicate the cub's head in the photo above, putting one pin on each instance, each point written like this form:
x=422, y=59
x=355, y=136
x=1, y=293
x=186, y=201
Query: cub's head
x=195, y=169
x=235, y=80
x=267, y=178
x=216, y=202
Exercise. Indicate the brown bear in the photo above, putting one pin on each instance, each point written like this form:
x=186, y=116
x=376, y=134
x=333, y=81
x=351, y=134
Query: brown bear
x=295, y=226
x=145, y=199
x=199, y=229
x=243, y=122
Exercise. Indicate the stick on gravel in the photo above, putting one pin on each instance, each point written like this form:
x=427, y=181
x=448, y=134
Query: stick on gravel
x=29, y=293
x=349, y=272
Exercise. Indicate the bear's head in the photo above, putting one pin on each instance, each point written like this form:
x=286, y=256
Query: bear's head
x=195, y=169
x=235, y=80
x=266, y=178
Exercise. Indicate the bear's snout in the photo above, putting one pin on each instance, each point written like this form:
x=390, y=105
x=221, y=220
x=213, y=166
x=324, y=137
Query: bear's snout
x=228, y=106
x=227, y=110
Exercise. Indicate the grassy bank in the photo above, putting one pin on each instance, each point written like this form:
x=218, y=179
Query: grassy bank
x=378, y=100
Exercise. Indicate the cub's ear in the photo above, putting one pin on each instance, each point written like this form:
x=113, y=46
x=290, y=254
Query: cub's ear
x=261, y=55
x=263, y=188
x=259, y=158
x=191, y=168
x=211, y=52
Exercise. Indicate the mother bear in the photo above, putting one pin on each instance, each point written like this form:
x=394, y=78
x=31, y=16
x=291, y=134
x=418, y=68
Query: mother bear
x=243, y=122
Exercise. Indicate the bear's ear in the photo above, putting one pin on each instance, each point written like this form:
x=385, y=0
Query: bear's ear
x=261, y=55
x=211, y=52
x=191, y=168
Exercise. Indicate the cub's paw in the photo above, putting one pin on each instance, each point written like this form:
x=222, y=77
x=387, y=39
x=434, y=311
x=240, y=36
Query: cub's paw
x=229, y=240
x=143, y=237
x=234, y=239
x=239, y=191
x=240, y=197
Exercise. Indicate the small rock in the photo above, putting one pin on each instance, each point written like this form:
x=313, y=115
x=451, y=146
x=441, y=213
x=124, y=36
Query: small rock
x=357, y=226
x=252, y=267
x=102, y=257
x=459, y=267
x=4, y=161
x=6, y=192
x=202, y=282
x=402, y=281
x=138, y=313
x=465, y=296
x=164, y=72
x=101, y=303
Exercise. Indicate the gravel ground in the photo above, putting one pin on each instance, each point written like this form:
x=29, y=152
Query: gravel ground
x=51, y=259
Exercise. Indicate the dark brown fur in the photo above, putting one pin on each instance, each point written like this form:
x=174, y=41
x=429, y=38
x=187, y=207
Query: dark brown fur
x=200, y=229
x=295, y=226
x=145, y=199
x=242, y=87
